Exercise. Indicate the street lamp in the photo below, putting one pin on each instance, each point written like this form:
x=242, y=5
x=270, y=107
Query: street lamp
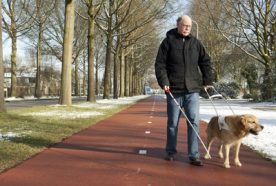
x=196, y=28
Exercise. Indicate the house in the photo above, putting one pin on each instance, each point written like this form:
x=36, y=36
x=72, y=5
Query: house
x=26, y=79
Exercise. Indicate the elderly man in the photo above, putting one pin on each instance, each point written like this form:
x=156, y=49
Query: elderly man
x=176, y=68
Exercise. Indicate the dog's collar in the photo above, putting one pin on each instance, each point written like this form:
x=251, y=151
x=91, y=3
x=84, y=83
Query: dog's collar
x=222, y=123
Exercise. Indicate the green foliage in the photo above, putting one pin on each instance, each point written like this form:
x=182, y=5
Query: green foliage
x=228, y=90
x=255, y=96
x=250, y=73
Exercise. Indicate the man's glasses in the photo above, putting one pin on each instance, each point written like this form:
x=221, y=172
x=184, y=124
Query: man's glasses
x=185, y=26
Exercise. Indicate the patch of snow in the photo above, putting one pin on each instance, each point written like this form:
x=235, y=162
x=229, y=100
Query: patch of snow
x=65, y=114
x=103, y=104
x=8, y=135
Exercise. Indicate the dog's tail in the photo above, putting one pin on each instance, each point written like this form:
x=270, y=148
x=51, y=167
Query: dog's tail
x=211, y=123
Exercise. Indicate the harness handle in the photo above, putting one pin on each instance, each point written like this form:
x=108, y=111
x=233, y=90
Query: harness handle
x=219, y=95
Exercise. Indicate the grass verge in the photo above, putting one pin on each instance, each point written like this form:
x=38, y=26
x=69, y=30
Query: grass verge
x=265, y=108
x=26, y=132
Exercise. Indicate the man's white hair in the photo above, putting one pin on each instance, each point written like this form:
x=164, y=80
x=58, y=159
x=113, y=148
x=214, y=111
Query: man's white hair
x=183, y=17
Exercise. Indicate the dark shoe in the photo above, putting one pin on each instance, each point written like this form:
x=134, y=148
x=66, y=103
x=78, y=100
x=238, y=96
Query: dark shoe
x=196, y=162
x=169, y=157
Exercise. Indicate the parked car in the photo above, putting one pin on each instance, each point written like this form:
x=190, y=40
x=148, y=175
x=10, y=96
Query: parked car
x=147, y=90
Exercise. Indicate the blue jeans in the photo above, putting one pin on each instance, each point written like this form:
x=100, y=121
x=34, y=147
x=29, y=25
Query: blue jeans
x=190, y=103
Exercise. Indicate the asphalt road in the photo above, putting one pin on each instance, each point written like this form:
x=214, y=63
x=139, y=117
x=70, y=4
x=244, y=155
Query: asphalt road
x=127, y=149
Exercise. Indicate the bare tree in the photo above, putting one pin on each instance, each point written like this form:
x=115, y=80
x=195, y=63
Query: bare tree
x=112, y=22
x=141, y=63
x=91, y=13
x=99, y=59
x=84, y=73
x=254, y=20
x=79, y=48
x=93, y=8
x=2, y=101
x=16, y=23
x=138, y=31
x=217, y=46
x=54, y=34
x=43, y=11
x=110, y=9
x=77, y=78
x=65, y=96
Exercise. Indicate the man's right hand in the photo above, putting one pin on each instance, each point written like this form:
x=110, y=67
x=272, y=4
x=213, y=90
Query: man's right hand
x=206, y=87
x=166, y=88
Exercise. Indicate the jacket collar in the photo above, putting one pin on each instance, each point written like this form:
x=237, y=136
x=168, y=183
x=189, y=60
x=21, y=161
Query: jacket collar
x=174, y=33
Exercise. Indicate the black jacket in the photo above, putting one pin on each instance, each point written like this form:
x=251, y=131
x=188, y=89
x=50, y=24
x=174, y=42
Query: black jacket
x=177, y=63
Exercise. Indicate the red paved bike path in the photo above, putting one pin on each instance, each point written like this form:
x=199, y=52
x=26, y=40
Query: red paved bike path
x=108, y=154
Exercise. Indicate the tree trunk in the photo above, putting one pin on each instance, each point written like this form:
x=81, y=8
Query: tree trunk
x=91, y=87
x=140, y=86
x=115, y=76
x=13, y=67
x=267, y=88
x=66, y=79
x=116, y=72
x=2, y=101
x=77, y=80
x=97, y=75
x=131, y=78
x=273, y=40
x=127, y=77
x=107, y=73
x=84, y=75
x=38, y=62
x=135, y=84
x=122, y=73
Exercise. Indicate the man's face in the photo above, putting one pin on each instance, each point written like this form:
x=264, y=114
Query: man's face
x=184, y=27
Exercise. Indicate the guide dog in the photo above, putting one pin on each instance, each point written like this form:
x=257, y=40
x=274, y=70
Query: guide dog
x=230, y=130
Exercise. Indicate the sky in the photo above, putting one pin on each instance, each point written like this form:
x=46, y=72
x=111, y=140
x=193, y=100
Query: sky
x=21, y=47
x=265, y=142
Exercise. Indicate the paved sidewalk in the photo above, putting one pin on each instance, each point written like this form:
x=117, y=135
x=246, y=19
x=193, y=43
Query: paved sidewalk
x=107, y=154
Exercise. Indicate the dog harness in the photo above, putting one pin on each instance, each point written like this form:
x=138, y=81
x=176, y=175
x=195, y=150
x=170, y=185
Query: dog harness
x=222, y=123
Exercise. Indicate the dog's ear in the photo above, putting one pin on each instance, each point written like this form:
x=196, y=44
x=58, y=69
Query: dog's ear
x=243, y=121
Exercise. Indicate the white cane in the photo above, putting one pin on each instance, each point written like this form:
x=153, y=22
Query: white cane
x=189, y=122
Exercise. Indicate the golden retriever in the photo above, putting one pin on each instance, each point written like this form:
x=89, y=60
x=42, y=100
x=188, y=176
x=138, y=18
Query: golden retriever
x=230, y=130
